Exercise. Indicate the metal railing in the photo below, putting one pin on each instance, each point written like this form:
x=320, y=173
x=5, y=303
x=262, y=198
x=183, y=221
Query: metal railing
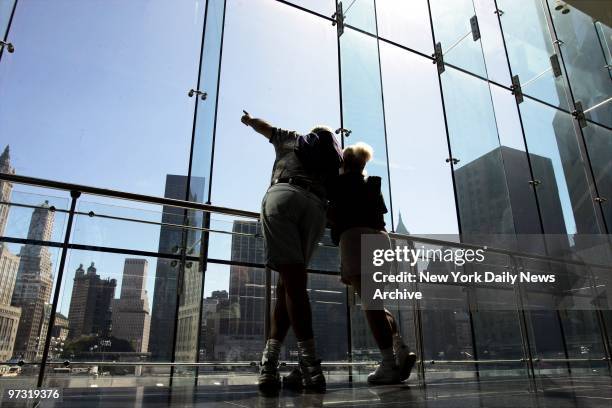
x=76, y=191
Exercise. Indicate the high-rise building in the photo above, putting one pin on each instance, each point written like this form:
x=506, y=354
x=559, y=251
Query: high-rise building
x=130, y=313
x=171, y=239
x=34, y=283
x=6, y=188
x=90, y=304
x=9, y=315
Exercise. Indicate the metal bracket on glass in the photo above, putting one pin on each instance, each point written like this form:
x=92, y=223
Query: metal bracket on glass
x=203, y=95
x=438, y=57
x=600, y=200
x=499, y=12
x=454, y=160
x=535, y=183
x=475, y=28
x=558, y=42
x=578, y=113
x=556, y=67
x=8, y=45
x=338, y=18
x=344, y=132
x=517, y=91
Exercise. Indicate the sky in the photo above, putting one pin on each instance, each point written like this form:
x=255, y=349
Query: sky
x=96, y=94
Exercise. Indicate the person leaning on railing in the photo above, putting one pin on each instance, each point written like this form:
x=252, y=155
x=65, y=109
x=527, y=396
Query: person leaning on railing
x=357, y=207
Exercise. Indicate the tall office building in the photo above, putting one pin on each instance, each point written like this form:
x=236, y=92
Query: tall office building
x=9, y=315
x=90, y=304
x=6, y=188
x=164, y=310
x=34, y=283
x=130, y=313
x=9, y=264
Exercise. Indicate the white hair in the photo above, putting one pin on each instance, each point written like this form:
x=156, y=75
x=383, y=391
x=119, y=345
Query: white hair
x=356, y=156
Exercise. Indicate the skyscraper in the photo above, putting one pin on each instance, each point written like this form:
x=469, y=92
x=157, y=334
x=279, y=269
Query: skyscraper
x=90, y=303
x=9, y=264
x=130, y=313
x=163, y=316
x=34, y=283
x=6, y=188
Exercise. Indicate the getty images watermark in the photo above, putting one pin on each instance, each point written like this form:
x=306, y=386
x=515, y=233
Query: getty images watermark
x=502, y=273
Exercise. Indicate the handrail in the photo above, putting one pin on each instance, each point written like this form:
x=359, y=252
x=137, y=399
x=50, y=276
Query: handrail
x=38, y=182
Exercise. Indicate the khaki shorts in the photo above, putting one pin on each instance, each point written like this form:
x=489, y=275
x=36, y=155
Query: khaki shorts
x=293, y=221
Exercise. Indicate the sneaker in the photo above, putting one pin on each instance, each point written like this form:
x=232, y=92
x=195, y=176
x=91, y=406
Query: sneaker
x=405, y=361
x=293, y=380
x=312, y=376
x=385, y=374
x=269, y=379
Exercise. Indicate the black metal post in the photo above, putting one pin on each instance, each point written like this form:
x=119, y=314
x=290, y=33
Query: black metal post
x=58, y=285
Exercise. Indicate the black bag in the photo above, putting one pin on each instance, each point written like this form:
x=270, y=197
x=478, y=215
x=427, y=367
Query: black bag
x=319, y=153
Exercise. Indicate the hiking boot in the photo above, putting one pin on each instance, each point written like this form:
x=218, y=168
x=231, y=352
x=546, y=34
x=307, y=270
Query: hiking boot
x=385, y=374
x=269, y=379
x=405, y=362
x=293, y=380
x=312, y=375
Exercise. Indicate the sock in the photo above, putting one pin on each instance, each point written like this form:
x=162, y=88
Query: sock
x=271, y=351
x=306, y=350
x=388, y=356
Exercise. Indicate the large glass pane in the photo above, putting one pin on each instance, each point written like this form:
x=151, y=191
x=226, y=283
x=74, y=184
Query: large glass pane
x=492, y=41
x=362, y=101
x=566, y=202
x=530, y=47
x=28, y=274
x=104, y=314
x=282, y=85
x=201, y=160
x=599, y=144
x=360, y=14
x=405, y=23
x=417, y=147
x=482, y=192
x=453, y=29
x=325, y=7
x=585, y=60
x=111, y=81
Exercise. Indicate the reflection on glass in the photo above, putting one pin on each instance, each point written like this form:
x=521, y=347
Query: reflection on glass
x=530, y=47
x=453, y=29
x=291, y=81
x=422, y=205
x=566, y=203
x=361, y=102
x=585, y=59
x=405, y=23
x=482, y=192
x=599, y=145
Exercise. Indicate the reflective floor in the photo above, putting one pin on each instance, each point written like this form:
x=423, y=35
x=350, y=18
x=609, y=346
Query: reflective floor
x=551, y=392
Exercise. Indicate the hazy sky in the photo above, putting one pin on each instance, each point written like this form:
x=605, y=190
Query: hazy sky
x=96, y=93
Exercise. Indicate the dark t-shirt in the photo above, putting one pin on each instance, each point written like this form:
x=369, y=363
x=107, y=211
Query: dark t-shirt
x=355, y=201
x=287, y=164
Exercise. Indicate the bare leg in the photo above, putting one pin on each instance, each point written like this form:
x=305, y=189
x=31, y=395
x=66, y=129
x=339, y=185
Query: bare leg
x=381, y=322
x=280, y=317
x=294, y=280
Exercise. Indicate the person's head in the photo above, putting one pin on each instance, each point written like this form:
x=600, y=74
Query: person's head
x=322, y=128
x=356, y=157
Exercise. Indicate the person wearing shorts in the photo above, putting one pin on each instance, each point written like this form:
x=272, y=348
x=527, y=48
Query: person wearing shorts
x=357, y=208
x=293, y=217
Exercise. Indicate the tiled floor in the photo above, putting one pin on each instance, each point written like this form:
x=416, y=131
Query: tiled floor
x=558, y=393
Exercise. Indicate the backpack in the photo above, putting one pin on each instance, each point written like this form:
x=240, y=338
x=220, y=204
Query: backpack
x=319, y=153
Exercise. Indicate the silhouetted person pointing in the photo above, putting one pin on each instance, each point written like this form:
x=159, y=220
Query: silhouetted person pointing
x=293, y=217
